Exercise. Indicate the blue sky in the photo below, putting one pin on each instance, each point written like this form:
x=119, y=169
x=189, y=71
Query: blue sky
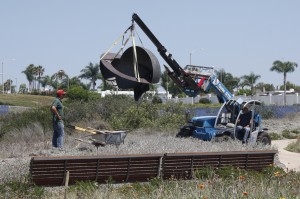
x=238, y=36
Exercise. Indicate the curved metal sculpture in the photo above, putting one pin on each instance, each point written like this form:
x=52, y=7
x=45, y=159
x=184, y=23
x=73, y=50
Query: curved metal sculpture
x=121, y=69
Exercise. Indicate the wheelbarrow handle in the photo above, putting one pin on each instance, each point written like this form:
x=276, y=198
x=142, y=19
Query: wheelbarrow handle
x=81, y=129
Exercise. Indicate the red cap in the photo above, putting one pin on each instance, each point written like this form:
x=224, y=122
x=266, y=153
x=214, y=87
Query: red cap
x=60, y=93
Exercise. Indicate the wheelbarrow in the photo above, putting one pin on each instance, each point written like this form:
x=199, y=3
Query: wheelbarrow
x=101, y=137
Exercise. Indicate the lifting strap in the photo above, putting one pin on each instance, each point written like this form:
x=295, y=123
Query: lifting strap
x=115, y=43
x=135, y=61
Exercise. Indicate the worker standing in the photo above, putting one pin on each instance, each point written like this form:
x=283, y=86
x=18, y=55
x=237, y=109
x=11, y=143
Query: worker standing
x=57, y=120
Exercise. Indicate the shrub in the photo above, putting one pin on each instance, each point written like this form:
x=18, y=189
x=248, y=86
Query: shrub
x=78, y=93
x=6, y=103
x=275, y=136
x=294, y=146
x=267, y=112
x=13, y=121
x=21, y=189
x=204, y=101
x=181, y=95
x=290, y=134
x=156, y=100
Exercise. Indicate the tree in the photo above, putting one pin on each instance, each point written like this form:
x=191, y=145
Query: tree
x=7, y=85
x=228, y=80
x=284, y=67
x=44, y=81
x=39, y=71
x=105, y=85
x=168, y=84
x=265, y=87
x=29, y=72
x=91, y=72
x=250, y=80
x=22, y=88
x=290, y=85
x=74, y=81
x=60, y=80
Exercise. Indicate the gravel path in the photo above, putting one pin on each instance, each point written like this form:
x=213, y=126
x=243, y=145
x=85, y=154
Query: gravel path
x=290, y=160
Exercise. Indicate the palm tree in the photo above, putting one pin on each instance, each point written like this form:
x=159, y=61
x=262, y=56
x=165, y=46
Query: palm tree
x=29, y=72
x=106, y=85
x=62, y=76
x=39, y=70
x=229, y=81
x=284, y=67
x=91, y=72
x=7, y=85
x=250, y=80
x=74, y=81
x=44, y=81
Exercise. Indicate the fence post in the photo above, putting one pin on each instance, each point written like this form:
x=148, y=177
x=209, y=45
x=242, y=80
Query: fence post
x=270, y=99
x=66, y=184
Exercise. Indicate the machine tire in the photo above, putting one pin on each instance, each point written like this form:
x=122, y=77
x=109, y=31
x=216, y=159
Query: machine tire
x=185, y=132
x=264, y=138
x=223, y=138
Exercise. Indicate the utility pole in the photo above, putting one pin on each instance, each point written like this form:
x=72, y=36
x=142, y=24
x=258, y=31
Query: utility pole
x=2, y=78
x=3, y=73
x=167, y=92
x=16, y=85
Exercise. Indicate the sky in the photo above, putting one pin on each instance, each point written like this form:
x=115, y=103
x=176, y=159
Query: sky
x=238, y=36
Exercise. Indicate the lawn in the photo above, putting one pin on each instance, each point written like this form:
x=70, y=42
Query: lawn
x=25, y=100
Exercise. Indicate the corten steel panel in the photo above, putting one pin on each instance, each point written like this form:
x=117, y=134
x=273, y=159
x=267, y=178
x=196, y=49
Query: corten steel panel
x=51, y=171
x=182, y=166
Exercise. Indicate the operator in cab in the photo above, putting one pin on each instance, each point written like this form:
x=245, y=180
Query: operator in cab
x=244, y=122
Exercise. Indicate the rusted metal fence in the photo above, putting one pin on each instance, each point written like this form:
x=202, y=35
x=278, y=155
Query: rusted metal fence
x=51, y=171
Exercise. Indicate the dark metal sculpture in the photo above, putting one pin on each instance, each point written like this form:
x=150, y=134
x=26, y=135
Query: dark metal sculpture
x=121, y=70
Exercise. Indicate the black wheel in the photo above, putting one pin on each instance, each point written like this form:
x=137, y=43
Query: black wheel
x=223, y=138
x=264, y=138
x=185, y=132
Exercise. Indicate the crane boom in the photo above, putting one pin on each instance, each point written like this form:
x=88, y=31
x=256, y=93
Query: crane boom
x=178, y=75
x=193, y=81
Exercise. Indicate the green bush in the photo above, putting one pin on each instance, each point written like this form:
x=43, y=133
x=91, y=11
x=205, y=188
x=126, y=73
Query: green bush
x=136, y=116
x=21, y=189
x=294, y=146
x=204, y=101
x=156, y=100
x=275, y=136
x=290, y=134
x=6, y=103
x=181, y=95
x=267, y=112
x=244, y=91
x=78, y=93
x=145, y=114
x=11, y=121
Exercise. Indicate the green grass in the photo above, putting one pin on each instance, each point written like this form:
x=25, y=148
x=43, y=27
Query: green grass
x=294, y=146
x=25, y=100
x=291, y=134
x=272, y=182
x=275, y=136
